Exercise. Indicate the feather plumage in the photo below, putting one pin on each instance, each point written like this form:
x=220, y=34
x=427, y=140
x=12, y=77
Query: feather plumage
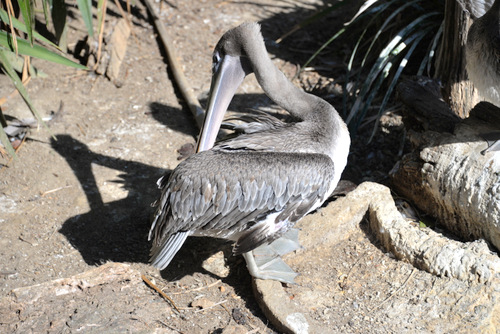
x=206, y=207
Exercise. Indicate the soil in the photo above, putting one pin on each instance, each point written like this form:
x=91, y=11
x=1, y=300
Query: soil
x=79, y=199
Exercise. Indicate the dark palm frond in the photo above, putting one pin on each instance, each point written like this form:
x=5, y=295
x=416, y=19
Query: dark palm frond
x=395, y=37
x=410, y=35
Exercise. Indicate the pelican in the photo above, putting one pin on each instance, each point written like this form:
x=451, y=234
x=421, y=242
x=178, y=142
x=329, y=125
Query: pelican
x=483, y=52
x=253, y=188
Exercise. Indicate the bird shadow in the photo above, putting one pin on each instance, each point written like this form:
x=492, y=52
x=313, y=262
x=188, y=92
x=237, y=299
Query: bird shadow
x=109, y=231
x=118, y=230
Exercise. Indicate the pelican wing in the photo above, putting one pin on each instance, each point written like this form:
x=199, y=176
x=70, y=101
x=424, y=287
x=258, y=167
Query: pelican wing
x=215, y=193
x=258, y=121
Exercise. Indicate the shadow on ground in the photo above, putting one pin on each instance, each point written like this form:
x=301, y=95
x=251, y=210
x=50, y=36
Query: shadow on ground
x=118, y=231
x=115, y=231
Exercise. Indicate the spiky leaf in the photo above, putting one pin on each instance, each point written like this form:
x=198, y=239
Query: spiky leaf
x=4, y=17
x=28, y=12
x=85, y=7
x=6, y=66
x=37, y=51
x=59, y=14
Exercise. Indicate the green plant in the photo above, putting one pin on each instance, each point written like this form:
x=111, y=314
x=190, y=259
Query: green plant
x=392, y=35
x=32, y=44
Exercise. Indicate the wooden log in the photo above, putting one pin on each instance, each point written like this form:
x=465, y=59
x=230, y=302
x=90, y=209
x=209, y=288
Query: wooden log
x=448, y=176
x=424, y=113
x=458, y=91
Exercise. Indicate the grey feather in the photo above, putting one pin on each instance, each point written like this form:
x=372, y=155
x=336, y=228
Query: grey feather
x=258, y=121
x=214, y=208
x=162, y=256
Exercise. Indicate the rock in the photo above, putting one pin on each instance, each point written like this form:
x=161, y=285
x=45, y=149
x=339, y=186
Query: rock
x=202, y=303
x=427, y=249
x=342, y=271
x=276, y=305
x=216, y=264
x=239, y=316
x=448, y=175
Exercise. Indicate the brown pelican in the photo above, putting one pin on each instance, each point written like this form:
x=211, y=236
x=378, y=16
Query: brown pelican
x=251, y=189
x=483, y=51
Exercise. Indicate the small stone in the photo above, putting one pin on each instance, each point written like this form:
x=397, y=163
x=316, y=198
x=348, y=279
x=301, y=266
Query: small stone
x=202, y=303
x=239, y=316
x=235, y=329
x=216, y=265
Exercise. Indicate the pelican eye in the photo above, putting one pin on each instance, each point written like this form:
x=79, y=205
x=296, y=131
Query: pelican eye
x=216, y=60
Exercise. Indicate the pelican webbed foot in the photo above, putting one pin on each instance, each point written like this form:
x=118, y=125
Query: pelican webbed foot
x=493, y=140
x=264, y=262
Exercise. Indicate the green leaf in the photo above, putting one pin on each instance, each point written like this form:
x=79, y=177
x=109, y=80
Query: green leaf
x=19, y=86
x=21, y=26
x=393, y=15
x=315, y=17
x=393, y=48
x=399, y=27
x=45, y=7
x=28, y=13
x=431, y=51
x=426, y=222
x=17, y=63
x=59, y=14
x=377, y=12
x=85, y=7
x=37, y=51
x=334, y=37
x=4, y=139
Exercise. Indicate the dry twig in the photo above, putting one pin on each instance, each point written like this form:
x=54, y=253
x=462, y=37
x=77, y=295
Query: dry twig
x=199, y=288
x=53, y=190
x=214, y=305
x=154, y=287
x=343, y=283
x=186, y=90
x=171, y=327
x=101, y=33
x=396, y=292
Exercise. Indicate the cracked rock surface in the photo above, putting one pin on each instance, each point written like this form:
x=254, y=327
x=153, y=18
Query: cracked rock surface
x=364, y=266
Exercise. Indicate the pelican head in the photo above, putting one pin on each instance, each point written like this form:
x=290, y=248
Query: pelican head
x=229, y=68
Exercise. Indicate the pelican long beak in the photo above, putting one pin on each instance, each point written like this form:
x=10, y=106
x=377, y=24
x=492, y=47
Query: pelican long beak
x=228, y=76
